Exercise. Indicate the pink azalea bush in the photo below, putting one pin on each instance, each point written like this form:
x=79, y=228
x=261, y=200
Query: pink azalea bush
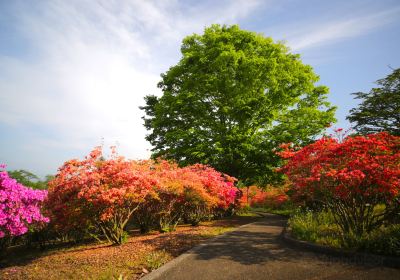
x=19, y=206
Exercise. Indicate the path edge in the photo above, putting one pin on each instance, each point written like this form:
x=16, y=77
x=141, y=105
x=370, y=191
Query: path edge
x=354, y=257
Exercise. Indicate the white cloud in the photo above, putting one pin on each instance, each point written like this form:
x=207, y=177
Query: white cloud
x=322, y=32
x=92, y=64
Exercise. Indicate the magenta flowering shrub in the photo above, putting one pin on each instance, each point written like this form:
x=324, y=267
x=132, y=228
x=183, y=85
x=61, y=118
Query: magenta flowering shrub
x=19, y=206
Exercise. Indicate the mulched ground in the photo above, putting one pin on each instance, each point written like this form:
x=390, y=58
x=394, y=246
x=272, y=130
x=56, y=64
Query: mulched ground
x=132, y=260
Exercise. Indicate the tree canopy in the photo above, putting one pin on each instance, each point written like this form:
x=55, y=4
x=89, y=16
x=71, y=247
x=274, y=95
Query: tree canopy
x=379, y=109
x=233, y=97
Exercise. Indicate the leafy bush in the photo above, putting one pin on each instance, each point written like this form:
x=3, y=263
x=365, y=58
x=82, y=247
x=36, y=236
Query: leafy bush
x=316, y=227
x=191, y=193
x=98, y=193
x=384, y=241
x=321, y=228
x=349, y=176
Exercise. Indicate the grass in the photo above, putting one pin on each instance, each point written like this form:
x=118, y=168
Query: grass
x=284, y=211
x=248, y=213
x=320, y=228
x=316, y=227
x=140, y=254
x=156, y=259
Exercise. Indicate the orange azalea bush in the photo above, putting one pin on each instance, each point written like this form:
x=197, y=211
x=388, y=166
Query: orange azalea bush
x=102, y=195
x=98, y=192
x=271, y=197
x=191, y=193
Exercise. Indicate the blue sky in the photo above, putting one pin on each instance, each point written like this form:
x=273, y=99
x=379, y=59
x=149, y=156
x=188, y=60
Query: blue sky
x=73, y=73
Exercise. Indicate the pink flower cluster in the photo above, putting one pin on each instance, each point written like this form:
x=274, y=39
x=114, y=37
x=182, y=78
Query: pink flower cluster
x=19, y=206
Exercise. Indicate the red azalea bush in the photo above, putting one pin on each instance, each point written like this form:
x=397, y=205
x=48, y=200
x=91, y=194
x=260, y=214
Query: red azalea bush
x=351, y=177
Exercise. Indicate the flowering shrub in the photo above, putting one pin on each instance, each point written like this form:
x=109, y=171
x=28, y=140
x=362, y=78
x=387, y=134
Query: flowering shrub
x=269, y=198
x=19, y=206
x=351, y=177
x=99, y=192
x=215, y=193
x=192, y=193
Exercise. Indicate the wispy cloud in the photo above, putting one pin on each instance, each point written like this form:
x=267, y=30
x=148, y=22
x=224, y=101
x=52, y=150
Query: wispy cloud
x=92, y=62
x=83, y=66
x=319, y=32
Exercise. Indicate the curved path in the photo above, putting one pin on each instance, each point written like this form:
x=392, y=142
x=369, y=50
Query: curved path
x=255, y=251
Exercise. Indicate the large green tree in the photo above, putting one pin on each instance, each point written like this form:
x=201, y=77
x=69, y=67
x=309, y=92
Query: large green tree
x=379, y=109
x=231, y=100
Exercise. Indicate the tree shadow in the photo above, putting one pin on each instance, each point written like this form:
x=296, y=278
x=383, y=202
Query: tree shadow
x=253, y=245
x=22, y=255
x=249, y=246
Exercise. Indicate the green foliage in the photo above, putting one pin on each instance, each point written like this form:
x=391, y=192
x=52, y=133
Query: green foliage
x=286, y=210
x=29, y=179
x=231, y=100
x=156, y=259
x=318, y=227
x=380, y=108
x=321, y=228
x=385, y=241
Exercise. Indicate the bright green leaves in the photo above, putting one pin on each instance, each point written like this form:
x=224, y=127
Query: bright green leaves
x=230, y=98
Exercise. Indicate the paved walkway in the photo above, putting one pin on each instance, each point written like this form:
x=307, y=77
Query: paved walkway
x=255, y=251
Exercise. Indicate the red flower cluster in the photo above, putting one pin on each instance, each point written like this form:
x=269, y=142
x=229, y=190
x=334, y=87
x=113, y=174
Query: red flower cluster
x=361, y=165
x=358, y=172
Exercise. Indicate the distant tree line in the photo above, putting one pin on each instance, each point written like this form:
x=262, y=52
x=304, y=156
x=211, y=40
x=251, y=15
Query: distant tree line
x=29, y=179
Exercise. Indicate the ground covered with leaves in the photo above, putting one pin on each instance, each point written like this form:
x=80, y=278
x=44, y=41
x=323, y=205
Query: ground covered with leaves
x=138, y=256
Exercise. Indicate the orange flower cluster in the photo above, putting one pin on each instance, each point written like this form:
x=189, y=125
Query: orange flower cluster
x=103, y=194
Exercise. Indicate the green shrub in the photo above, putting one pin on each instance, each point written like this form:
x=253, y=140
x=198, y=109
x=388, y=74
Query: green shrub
x=385, y=241
x=320, y=228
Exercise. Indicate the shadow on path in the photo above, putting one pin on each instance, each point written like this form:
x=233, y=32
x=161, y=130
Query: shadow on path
x=256, y=251
x=249, y=246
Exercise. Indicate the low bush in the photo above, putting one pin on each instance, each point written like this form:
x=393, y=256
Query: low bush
x=321, y=228
x=384, y=241
x=318, y=227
